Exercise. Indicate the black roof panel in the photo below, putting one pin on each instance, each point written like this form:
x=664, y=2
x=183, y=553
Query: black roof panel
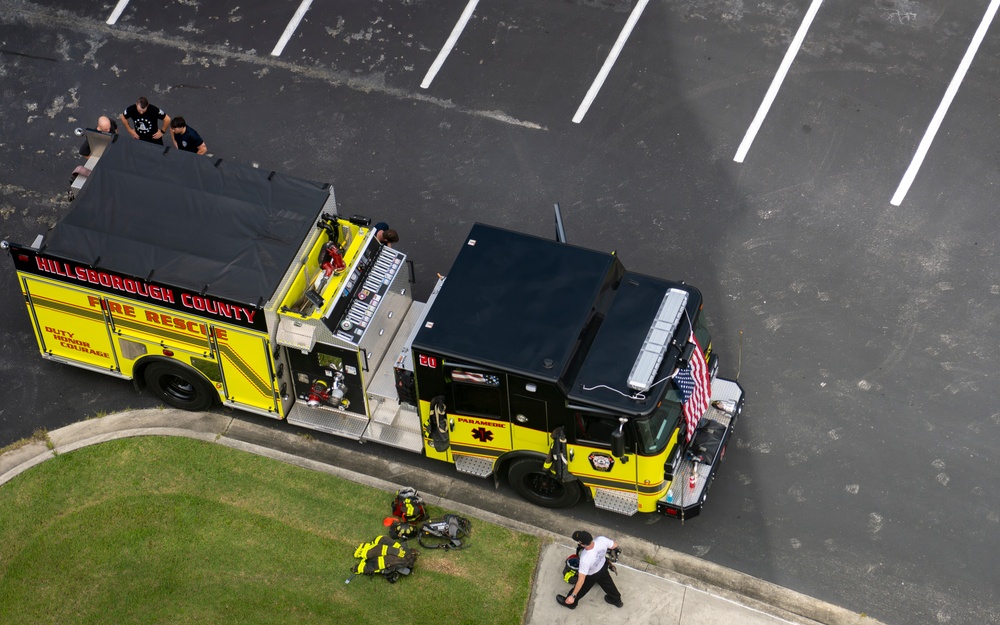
x=176, y=215
x=513, y=301
x=621, y=336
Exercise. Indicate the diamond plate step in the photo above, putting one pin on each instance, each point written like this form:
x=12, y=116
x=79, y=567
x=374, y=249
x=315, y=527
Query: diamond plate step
x=346, y=424
x=474, y=465
x=622, y=502
x=680, y=492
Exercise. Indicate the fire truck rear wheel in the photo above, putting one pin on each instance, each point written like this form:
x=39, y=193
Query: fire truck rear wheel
x=530, y=479
x=178, y=387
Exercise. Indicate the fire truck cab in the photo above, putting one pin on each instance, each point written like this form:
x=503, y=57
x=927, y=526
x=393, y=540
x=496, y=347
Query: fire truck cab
x=552, y=363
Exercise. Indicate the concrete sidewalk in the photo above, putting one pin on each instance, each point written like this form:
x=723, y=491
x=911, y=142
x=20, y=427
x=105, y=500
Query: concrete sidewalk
x=659, y=586
x=649, y=599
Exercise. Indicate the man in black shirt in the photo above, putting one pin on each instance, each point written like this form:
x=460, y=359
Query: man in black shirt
x=186, y=138
x=149, y=123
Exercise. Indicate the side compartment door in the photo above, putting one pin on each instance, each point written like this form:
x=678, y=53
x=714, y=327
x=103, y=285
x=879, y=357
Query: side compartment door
x=477, y=411
x=70, y=323
x=529, y=414
x=247, y=371
x=589, y=452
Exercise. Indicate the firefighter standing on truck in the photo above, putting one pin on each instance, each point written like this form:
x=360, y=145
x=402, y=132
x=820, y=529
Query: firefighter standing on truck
x=593, y=570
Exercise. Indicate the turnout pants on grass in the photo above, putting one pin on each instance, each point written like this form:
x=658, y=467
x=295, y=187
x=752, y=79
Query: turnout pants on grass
x=603, y=579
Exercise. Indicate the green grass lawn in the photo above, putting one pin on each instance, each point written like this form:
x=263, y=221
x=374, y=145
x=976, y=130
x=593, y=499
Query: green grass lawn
x=172, y=530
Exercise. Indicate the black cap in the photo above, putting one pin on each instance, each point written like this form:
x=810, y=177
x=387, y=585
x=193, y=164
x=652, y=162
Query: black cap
x=583, y=537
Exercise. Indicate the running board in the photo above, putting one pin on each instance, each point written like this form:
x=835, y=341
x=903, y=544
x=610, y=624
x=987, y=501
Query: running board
x=392, y=424
x=474, y=465
x=329, y=420
x=619, y=501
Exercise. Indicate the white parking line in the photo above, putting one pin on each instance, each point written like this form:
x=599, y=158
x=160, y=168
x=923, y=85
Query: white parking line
x=772, y=91
x=290, y=29
x=609, y=62
x=949, y=95
x=456, y=32
x=117, y=12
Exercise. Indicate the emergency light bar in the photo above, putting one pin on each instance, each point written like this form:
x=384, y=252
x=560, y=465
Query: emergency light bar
x=665, y=323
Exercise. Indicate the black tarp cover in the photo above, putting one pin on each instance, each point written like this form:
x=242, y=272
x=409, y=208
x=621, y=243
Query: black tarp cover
x=176, y=215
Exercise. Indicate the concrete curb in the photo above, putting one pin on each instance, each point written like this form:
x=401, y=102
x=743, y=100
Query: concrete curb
x=642, y=556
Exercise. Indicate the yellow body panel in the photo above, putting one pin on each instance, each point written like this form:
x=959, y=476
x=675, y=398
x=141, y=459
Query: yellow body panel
x=66, y=325
x=165, y=328
x=649, y=480
x=246, y=361
x=469, y=436
x=597, y=468
x=479, y=436
x=531, y=439
x=594, y=466
x=88, y=327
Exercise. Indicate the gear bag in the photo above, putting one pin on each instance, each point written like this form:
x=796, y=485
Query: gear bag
x=386, y=557
x=571, y=569
x=408, y=506
x=451, y=532
x=707, y=440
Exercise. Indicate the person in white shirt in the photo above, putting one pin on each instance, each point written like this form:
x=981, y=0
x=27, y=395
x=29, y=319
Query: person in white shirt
x=593, y=570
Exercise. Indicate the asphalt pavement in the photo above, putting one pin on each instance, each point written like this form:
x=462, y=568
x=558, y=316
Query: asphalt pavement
x=864, y=471
x=658, y=585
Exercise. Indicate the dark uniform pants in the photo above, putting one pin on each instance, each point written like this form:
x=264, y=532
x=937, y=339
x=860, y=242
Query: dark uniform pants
x=603, y=579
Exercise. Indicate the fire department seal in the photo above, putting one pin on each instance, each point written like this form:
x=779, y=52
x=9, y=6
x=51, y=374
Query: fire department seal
x=601, y=462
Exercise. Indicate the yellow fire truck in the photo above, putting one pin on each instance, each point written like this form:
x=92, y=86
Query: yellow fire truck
x=208, y=282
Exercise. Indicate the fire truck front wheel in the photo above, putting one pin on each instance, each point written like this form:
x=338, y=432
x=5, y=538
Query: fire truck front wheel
x=530, y=479
x=180, y=387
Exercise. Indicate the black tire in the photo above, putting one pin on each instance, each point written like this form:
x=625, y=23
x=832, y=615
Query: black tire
x=180, y=387
x=534, y=483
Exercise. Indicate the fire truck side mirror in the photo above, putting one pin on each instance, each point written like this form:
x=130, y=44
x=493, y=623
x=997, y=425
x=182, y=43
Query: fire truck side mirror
x=618, y=443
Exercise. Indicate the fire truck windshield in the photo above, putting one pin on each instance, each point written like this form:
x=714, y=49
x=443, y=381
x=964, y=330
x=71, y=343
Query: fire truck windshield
x=655, y=431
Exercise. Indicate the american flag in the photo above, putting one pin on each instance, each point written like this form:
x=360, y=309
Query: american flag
x=695, y=388
x=475, y=378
